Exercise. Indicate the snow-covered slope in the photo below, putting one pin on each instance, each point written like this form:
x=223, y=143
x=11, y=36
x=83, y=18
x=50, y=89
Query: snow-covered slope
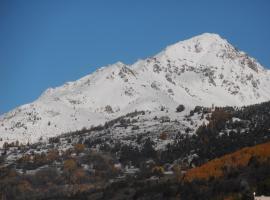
x=203, y=70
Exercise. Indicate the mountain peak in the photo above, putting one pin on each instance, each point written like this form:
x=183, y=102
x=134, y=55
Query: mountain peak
x=206, y=42
x=209, y=40
x=208, y=49
x=206, y=39
x=119, y=64
x=208, y=36
x=203, y=70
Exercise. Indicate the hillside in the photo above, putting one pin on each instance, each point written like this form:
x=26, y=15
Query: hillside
x=239, y=159
x=130, y=158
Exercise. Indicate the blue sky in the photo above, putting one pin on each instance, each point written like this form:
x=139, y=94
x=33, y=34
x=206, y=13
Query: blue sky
x=45, y=43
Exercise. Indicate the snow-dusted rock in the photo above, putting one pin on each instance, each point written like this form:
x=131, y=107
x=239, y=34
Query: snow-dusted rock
x=203, y=70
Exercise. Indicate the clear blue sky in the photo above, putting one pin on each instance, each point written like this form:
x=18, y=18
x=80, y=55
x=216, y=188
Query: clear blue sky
x=44, y=43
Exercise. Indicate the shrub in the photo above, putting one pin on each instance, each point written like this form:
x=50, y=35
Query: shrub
x=54, y=140
x=52, y=155
x=108, y=109
x=180, y=108
x=70, y=165
x=163, y=136
x=79, y=148
x=158, y=171
x=135, y=128
x=79, y=176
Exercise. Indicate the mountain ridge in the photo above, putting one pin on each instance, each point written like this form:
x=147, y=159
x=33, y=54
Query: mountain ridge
x=203, y=70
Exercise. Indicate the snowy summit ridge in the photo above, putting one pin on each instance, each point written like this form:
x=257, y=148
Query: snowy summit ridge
x=203, y=70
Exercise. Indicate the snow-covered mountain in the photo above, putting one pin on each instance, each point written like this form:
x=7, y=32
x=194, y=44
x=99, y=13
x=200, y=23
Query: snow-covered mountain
x=205, y=70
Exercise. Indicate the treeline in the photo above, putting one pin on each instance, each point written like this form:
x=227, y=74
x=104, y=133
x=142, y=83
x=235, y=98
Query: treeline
x=229, y=129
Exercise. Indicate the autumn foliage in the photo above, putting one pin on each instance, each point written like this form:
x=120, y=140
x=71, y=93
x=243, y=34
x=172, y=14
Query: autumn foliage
x=241, y=158
x=70, y=165
x=158, y=170
x=163, y=136
x=79, y=148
